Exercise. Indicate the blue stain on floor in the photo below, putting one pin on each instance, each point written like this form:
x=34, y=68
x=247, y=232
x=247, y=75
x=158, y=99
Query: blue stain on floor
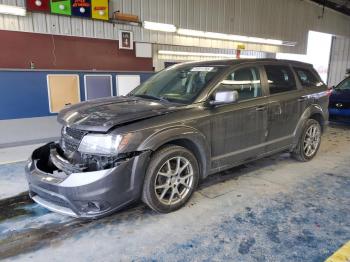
x=308, y=224
x=36, y=210
x=8, y=171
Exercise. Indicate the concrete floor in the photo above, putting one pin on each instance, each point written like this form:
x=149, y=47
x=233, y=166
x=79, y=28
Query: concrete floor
x=16, y=154
x=274, y=209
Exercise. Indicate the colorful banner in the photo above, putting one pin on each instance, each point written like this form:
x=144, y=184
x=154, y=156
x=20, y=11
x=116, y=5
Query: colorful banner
x=81, y=8
x=61, y=7
x=99, y=9
x=38, y=5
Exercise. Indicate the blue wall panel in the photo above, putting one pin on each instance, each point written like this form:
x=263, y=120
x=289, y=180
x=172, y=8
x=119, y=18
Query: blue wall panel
x=23, y=94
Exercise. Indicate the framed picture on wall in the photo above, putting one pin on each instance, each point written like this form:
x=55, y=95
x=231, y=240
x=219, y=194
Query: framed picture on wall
x=126, y=40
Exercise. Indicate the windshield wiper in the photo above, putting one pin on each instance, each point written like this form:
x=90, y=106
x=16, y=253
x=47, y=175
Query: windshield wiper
x=152, y=97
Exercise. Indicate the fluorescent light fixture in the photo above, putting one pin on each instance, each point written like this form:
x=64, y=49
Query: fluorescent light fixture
x=12, y=10
x=196, y=33
x=184, y=53
x=159, y=26
x=239, y=38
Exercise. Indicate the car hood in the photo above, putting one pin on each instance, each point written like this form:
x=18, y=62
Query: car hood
x=103, y=114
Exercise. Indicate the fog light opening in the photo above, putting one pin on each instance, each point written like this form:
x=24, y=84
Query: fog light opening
x=92, y=207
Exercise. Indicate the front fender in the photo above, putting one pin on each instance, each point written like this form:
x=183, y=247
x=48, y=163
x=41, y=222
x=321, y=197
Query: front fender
x=192, y=136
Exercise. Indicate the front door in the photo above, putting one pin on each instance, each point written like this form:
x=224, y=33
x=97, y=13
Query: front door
x=238, y=129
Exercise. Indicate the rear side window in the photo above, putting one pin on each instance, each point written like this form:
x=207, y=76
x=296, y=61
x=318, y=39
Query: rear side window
x=280, y=79
x=306, y=77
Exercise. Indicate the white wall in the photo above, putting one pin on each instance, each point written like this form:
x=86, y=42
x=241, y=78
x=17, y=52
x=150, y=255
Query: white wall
x=28, y=131
x=279, y=19
x=339, y=60
x=318, y=53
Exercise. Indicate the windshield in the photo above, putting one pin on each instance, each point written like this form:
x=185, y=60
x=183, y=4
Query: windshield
x=345, y=85
x=181, y=84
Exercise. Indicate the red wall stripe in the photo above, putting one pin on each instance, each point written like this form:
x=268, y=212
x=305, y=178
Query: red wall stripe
x=18, y=49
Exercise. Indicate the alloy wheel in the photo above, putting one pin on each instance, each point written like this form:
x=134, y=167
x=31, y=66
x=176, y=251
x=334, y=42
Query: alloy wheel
x=312, y=140
x=174, y=180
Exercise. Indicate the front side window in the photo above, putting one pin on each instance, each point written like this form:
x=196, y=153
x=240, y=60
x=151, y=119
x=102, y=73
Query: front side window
x=306, y=77
x=180, y=84
x=345, y=85
x=246, y=81
x=280, y=79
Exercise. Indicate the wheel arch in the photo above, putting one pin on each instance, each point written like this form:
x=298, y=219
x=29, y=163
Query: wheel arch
x=186, y=137
x=319, y=118
x=312, y=112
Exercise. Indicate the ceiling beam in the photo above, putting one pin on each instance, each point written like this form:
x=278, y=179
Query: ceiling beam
x=335, y=6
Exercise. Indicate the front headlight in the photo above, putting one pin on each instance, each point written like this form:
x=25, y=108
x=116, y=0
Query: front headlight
x=100, y=144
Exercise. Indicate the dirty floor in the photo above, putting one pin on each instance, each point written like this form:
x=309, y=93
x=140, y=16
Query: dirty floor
x=274, y=209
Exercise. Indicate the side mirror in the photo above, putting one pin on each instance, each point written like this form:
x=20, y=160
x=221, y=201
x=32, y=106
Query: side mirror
x=224, y=97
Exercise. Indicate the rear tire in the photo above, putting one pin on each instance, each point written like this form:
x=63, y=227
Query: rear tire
x=309, y=141
x=171, y=178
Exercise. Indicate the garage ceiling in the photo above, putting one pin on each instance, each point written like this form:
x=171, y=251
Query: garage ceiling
x=342, y=6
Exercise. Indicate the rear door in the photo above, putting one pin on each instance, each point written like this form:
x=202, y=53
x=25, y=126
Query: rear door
x=284, y=110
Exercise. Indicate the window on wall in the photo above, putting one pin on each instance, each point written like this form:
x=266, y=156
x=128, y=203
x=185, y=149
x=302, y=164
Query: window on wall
x=280, y=79
x=98, y=86
x=306, y=77
x=245, y=81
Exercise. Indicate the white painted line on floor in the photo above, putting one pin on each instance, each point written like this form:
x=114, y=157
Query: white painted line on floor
x=12, y=161
x=16, y=154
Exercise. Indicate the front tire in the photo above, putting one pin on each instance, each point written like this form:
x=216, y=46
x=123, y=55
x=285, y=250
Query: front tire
x=171, y=178
x=309, y=141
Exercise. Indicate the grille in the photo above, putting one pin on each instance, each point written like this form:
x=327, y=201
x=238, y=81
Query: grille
x=75, y=133
x=71, y=139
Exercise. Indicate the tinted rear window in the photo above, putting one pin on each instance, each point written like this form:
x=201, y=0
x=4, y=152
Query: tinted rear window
x=307, y=77
x=280, y=79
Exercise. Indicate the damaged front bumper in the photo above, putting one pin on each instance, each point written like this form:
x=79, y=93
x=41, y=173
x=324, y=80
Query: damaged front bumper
x=80, y=193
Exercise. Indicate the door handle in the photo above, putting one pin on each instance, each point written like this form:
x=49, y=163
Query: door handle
x=260, y=108
x=302, y=99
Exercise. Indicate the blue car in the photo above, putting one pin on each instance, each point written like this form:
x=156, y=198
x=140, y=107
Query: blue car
x=339, y=102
